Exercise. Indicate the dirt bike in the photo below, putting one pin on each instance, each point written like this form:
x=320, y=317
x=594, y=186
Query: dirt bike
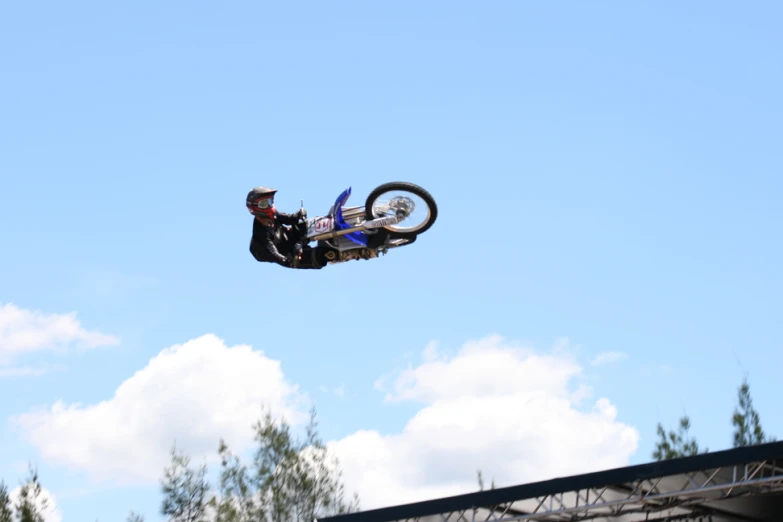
x=365, y=232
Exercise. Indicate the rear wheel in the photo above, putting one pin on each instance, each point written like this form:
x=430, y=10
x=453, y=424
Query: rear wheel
x=403, y=199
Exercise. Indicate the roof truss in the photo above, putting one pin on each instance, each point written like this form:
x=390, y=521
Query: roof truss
x=738, y=485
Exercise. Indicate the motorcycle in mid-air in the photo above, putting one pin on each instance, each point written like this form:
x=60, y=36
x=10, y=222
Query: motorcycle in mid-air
x=385, y=221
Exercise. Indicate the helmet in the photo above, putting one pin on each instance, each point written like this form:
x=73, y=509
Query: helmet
x=261, y=201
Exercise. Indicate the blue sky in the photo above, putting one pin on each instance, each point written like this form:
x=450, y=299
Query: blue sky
x=606, y=172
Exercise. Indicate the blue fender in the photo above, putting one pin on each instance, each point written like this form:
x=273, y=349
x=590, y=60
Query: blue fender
x=357, y=237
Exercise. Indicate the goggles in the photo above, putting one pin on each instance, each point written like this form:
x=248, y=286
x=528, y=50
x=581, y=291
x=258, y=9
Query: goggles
x=265, y=203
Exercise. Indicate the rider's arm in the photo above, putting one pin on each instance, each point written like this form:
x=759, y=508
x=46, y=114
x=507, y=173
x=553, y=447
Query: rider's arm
x=264, y=238
x=280, y=258
x=272, y=249
x=288, y=219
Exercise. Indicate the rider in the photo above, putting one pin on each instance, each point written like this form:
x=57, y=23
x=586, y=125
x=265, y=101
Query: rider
x=270, y=236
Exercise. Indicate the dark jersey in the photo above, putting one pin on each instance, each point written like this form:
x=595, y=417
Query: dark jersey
x=267, y=241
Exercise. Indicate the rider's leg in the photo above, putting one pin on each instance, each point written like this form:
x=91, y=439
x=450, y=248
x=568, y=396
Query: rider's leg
x=312, y=258
x=297, y=240
x=377, y=239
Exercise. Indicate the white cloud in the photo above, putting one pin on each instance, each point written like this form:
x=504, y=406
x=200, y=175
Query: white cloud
x=196, y=393
x=508, y=411
x=47, y=504
x=604, y=358
x=24, y=331
x=483, y=368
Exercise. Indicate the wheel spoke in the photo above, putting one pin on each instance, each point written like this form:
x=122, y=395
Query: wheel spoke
x=408, y=205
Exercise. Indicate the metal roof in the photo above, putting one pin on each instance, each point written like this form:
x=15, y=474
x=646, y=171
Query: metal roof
x=737, y=485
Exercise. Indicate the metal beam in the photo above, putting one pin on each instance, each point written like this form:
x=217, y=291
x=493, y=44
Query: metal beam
x=644, y=496
x=662, y=488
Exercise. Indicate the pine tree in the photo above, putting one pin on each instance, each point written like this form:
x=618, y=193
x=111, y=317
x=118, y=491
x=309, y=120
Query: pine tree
x=481, y=481
x=134, y=517
x=237, y=500
x=296, y=481
x=287, y=481
x=6, y=510
x=184, y=489
x=747, y=425
x=676, y=444
x=31, y=505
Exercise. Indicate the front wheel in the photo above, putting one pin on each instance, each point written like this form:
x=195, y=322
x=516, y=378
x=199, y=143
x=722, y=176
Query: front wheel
x=386, y=200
